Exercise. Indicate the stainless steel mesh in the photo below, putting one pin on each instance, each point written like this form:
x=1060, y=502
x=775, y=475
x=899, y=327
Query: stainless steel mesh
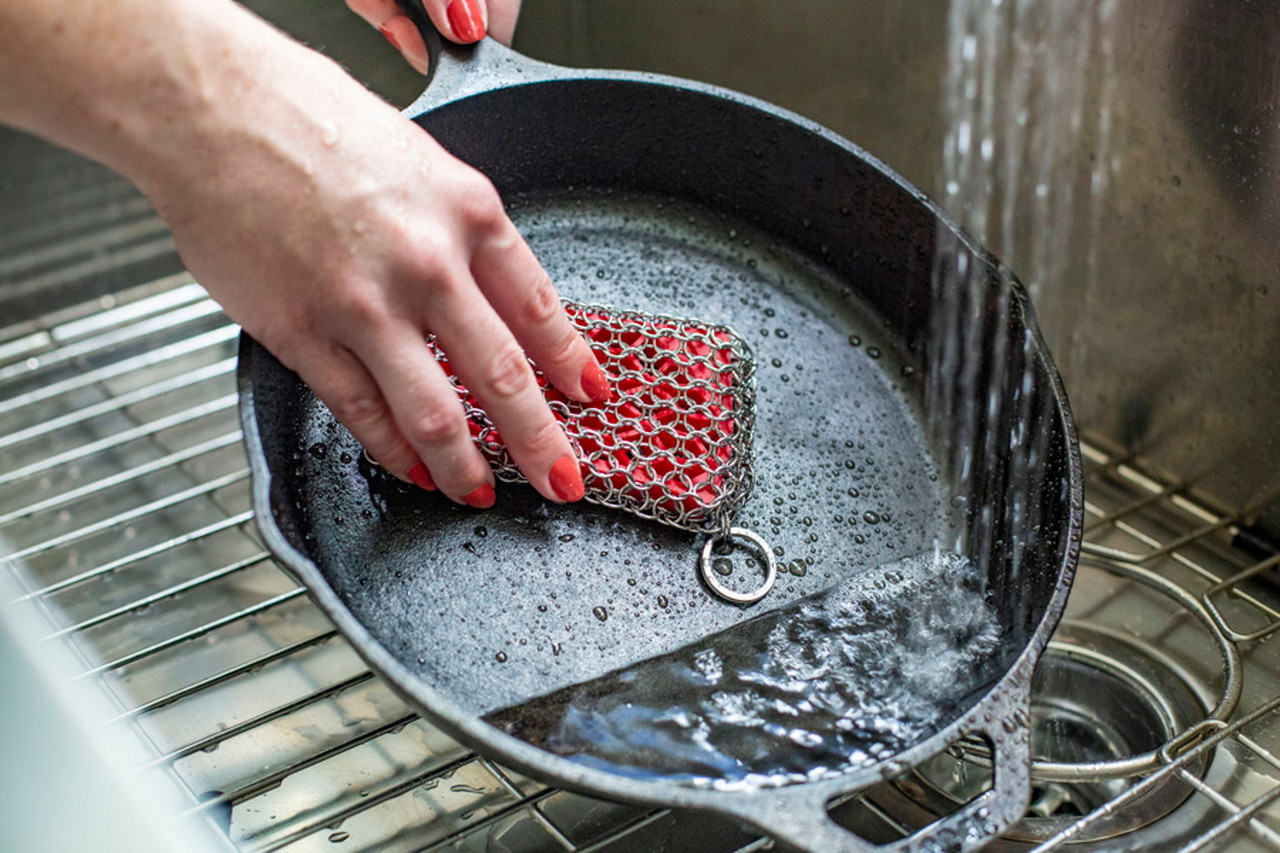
x=673, y=443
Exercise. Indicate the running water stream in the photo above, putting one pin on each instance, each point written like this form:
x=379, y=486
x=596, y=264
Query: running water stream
x=1028, y=96
x=1027, y=100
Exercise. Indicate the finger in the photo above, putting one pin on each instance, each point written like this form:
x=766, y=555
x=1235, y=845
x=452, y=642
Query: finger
x=388, y=18
x=502, y=19
x=404, y=37
x=427, y=412
x=463, y=21
x=345, y=386
x=521, y=292
x=494, y=368
x=375, y=12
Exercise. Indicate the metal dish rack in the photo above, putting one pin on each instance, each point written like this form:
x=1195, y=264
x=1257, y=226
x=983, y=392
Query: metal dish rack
x=124, y=516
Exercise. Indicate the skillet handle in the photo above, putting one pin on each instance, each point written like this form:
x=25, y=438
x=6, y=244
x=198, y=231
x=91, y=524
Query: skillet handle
x=805, y=823
x=459, y=70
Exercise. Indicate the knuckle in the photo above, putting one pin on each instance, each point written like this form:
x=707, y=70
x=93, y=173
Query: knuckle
x=481, y=203
x=508, y=372
x=438, y=268
x=543, y=439
x=564, y=349
x=541, y=303
x=360, y=305
x=438, y=425
x=358, y=408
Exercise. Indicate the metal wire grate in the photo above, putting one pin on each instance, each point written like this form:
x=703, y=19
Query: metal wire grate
x=124, y=513
x=1137, y=522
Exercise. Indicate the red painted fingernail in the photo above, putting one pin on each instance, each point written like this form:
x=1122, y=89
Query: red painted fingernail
x=465, y=20
x=389, y=36
x=421, y=477
x=481, y=498
x=594, y=383
x=566, y=479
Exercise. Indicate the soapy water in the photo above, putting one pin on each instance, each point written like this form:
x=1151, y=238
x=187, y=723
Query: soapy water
x=831, y=683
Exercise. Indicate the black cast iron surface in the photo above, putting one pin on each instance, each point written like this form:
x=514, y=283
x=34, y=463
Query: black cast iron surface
x=669, y=196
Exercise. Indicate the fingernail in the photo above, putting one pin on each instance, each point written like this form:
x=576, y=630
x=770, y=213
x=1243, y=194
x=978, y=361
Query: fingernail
x=389, y=36
x=421, y=477
x=465, y=20
x=566, y=479
x=481, y=498
x=594, y=383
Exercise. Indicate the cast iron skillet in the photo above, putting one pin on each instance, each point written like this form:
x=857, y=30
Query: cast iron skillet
x=655, y=193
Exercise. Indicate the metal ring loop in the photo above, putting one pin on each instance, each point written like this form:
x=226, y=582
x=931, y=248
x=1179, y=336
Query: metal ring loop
x=770, y=564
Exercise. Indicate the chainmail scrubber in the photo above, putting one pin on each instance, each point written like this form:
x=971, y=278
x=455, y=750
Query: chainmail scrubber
x=673, y=443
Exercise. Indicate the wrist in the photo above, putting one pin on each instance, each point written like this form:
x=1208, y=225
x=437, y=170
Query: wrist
x=216, y=93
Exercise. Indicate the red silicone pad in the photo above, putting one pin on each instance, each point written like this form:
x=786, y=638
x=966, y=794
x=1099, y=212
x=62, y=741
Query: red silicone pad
x=674, y=441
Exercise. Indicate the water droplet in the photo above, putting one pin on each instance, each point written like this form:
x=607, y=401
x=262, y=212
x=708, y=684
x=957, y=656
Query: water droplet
x=662, y=601
x=870, y=517
x=501, y=657
x=339, y=837
x=329, y=132
x=600, y=613
x=873, y=352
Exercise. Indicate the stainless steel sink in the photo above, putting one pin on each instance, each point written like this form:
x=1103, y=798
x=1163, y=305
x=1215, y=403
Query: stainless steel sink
x=128, y=550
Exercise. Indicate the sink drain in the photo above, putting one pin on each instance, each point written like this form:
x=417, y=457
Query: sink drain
x=1104, y=705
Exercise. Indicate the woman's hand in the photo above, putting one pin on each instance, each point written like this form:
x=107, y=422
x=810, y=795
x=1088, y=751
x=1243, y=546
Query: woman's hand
x=337, y=232
x=340, y=237
x=463, y=21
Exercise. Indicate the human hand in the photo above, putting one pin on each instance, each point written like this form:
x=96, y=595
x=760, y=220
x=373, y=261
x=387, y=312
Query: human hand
x=332, y=228
x=462, y=21
x=340, y=235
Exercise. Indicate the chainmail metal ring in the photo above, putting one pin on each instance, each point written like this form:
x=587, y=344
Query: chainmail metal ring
x=674, y=442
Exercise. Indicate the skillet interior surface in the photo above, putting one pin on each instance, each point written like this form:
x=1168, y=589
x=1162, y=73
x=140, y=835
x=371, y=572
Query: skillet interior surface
x=496, y=607
x=663, y=198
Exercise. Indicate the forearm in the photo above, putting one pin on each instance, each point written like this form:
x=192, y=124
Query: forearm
x=152, y=88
